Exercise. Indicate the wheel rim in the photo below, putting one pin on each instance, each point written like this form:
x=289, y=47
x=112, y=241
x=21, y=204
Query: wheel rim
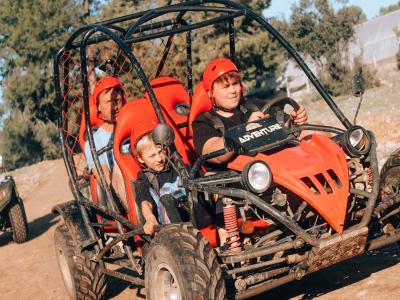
x=66, y=272
x=166, y=285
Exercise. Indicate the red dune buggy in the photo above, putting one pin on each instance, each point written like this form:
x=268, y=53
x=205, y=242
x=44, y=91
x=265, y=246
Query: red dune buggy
x=290, y=206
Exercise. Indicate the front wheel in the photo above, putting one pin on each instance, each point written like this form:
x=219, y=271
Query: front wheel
x=180, y=264
x=18, y=222
x=82, y=277
x=390, y=185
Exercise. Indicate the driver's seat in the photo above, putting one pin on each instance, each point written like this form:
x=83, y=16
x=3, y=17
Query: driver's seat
x=200, y=104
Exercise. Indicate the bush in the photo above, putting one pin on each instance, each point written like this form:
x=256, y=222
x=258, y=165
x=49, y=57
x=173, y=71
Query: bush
x=19, y=145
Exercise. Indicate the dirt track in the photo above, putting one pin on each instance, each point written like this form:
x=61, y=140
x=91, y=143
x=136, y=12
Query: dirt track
x=30, y=271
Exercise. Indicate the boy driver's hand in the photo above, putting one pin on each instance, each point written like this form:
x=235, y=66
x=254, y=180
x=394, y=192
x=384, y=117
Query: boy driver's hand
x=149, y=227
x=300, y=116
x=257, y=115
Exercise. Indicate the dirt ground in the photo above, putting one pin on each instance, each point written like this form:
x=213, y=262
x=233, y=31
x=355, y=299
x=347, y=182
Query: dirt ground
x=30, y=271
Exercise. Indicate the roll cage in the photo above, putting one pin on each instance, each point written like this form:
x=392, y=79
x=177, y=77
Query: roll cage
x=139, y=29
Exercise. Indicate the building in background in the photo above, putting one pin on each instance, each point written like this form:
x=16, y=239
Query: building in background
x=375, y=42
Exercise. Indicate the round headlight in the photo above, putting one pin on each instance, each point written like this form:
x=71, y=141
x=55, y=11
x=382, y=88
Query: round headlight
x=356, y=137
x=257, y=176
x=357, y=141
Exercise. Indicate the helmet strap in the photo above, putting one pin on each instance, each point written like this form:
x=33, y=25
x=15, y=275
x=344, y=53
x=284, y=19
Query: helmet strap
x=216, y=107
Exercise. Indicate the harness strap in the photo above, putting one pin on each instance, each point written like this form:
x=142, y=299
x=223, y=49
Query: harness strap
x=217, y=123
x=153, y=181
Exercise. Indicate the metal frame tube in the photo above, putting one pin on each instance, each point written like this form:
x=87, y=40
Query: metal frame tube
x=266, y=286
x=375, y=186
x=258, y=202
x=257, y=252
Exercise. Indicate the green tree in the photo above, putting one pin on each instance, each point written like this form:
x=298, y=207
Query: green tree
x=32, y=31
x=389, y=9
x=22, y=147
x=30, y=34
x=257, y=54
x=319, y=32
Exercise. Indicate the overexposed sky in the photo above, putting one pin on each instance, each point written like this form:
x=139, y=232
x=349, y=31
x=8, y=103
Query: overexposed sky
x=371, y=8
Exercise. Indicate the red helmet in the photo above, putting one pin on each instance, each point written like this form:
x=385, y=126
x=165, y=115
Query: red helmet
x=106, y=83
x=216, y=69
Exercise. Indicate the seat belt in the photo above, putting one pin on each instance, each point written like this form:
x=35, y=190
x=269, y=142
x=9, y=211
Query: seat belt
x=217, y=123
x=151, y=177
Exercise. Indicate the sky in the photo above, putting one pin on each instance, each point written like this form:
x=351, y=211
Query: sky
x=371, y=8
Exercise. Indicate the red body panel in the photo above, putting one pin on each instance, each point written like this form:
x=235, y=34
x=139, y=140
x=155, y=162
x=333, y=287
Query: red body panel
x=293, y=167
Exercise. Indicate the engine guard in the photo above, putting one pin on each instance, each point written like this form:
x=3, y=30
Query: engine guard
x=337, y=248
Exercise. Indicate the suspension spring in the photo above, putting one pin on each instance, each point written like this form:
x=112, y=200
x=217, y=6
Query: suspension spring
x=231, y=227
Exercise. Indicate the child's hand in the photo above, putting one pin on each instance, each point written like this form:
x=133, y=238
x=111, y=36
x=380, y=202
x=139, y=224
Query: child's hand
x=300, y=116
x=257, y=115
x=149, y=227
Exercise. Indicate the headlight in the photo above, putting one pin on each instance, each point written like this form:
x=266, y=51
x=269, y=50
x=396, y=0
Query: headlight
x=356, y=138
x=357, y=141
x=257, y=176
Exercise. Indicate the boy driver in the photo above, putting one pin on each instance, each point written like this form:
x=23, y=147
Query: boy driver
x=223, y=85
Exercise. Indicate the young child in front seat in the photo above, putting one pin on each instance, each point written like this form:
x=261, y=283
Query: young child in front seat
x=156, y=187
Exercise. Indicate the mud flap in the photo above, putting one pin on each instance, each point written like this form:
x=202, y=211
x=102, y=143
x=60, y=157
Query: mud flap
x=337, y=249
x=72, y=217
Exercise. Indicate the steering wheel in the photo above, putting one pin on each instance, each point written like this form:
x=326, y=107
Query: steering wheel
x=278, y=104
x=276, y=107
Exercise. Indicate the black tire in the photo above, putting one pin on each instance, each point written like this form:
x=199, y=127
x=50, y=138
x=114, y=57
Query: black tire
x=18, y=222
x=390, y=175
x=390, y=185
x=180, y=262
x=82, y=277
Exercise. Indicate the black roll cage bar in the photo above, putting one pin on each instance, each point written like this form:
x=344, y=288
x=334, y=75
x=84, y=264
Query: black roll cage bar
x=229, y=10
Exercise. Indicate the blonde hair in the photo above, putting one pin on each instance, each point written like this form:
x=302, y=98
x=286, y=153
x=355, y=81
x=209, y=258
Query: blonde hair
x=144, y=142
